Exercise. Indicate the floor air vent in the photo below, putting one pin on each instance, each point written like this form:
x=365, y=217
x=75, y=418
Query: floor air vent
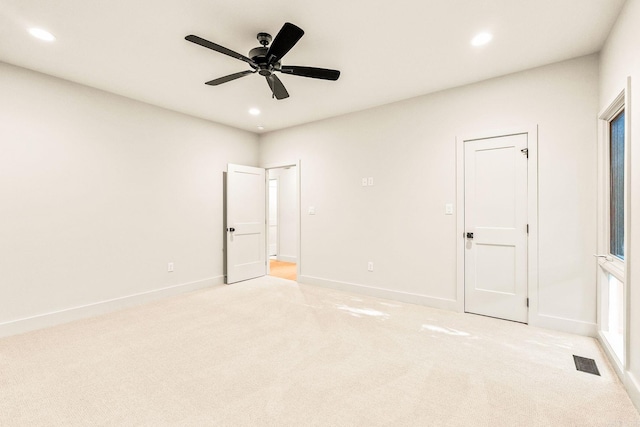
x=586, y=365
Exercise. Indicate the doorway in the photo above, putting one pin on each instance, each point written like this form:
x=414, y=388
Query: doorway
x=247, y=251
x=495, y=220
x=282, y=197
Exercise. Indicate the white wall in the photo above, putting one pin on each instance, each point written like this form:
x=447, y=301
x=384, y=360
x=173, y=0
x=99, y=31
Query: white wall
x=98, y=193
x=409, y=150
x=620, y=58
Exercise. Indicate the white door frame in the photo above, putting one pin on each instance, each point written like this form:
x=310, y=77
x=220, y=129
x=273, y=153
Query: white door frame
x=532, y=210
x=279, y=165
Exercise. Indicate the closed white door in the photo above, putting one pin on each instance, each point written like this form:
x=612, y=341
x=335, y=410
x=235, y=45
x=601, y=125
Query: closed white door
x=495, y=217
x=245, y=223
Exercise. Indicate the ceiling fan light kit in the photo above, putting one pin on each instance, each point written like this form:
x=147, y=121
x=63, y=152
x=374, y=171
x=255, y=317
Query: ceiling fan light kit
x=265, y=60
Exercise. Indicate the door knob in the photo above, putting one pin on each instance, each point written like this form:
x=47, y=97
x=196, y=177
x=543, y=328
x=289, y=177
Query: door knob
x=469, y=235
x=231, y=229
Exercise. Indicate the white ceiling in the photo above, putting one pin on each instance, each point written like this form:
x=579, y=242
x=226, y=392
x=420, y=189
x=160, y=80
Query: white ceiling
x=386, y=50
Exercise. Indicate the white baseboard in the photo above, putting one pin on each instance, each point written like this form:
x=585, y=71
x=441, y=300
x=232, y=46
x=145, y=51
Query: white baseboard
x=571, y=326
x=54, y=318
x=287, y=258
x=633, y=388
x=440, y=303
x=613, y=358
x=629, y=380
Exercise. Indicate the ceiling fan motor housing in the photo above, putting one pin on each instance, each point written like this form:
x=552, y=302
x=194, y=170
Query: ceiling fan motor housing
x=259, y=56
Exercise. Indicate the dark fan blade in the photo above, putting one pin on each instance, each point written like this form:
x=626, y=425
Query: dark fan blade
x=220, y=80
x=286, y=38
x=277, y=88
x=218, y=48
x=314, y=73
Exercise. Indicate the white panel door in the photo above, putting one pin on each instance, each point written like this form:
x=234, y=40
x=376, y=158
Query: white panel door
x=245, y=223
x=495, y=218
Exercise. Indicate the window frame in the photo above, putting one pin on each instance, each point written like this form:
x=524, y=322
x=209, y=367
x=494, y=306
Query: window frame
x=614, y=265
x=609, y=264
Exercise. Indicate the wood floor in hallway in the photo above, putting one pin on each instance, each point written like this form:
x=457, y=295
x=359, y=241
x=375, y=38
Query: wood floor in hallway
x=283, y=270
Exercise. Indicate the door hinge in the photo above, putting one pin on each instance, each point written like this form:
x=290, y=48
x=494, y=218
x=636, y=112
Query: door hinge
x=527, y=228
x=525, y=151
x=527, y=302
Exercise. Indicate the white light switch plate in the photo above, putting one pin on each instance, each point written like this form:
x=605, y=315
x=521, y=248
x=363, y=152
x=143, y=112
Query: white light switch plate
x=312, y=210
x=364, y=182
x=448, y=209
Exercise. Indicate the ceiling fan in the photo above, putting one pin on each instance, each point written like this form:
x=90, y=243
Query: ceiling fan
x=266, y=60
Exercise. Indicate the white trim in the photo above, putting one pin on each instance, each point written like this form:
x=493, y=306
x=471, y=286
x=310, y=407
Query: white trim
x=633, y=388
x=627, y=225
x=615, y=267
x=299, y=217
x=631, y=384
x=460, y=241
x=616, y=364
x=279, y=165
x=532, y=212
x=58, y=317
x=434, y=302
x=614, y=106
x=563, y=324
x=286, y=258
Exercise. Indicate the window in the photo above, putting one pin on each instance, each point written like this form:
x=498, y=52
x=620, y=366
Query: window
x=616, y=204
x=612, y=269
x=613, y=329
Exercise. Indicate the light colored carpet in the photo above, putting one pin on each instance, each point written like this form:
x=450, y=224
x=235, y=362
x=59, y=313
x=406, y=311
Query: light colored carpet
x=270, y=352
x=284, y=270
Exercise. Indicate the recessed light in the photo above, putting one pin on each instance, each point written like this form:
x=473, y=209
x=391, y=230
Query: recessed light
x=254, y=111
x=260, y=127
x=481, y=39
x=42, y=34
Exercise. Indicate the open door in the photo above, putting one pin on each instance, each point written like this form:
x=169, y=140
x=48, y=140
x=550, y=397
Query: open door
x=245, y=223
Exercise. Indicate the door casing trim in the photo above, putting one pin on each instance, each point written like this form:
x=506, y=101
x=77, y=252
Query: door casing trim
x=278, y=165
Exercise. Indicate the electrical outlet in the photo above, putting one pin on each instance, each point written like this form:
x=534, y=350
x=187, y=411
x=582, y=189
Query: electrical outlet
x=170, y=267
x=370, y=266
